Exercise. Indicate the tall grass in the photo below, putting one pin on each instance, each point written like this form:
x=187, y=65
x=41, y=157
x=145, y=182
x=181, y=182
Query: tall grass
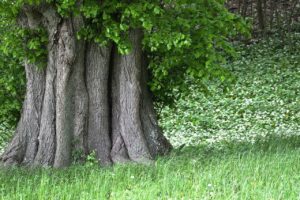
x=261, y=171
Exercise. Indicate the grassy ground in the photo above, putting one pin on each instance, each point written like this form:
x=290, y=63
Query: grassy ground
x=260, y=171
x=243, y=144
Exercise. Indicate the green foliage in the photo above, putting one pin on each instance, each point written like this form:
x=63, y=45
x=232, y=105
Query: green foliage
x=12, y=79
x=264, y=101
x=262, y=171
x=16, y=46
x=185, y=40
x=24, y=44
x=11, y=90
x=91, y=160
x=5, y=134
x=189, y=45
x=18, y=43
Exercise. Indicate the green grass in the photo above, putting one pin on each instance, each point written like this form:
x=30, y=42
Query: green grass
x=261, y=171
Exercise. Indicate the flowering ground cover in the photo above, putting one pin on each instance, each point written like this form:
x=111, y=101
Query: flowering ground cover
x=264, y=102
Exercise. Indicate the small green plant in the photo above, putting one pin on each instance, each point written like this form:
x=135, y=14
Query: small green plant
x=78, y=156
x=91, y=159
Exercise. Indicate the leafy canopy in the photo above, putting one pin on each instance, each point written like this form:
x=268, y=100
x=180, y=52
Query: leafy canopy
x=185, y=40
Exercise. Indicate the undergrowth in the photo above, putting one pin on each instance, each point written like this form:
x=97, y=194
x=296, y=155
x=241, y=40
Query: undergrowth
x=264, y=101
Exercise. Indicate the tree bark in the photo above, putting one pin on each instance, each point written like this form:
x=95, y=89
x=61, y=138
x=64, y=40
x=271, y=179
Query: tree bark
x=97, y=76
x=22, y=148
x=260, y=15
x=47, y=145
x=88, y=99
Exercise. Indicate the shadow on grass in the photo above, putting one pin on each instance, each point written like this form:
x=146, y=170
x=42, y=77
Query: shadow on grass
x=204, y=154
x=271, y=145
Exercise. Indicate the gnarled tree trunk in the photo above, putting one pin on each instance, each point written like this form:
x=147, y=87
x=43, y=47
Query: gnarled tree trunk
x=88, y=99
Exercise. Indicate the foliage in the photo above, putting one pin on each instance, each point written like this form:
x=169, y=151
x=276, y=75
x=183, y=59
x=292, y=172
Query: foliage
x=262, y=171
x=5, y=135
x=20, y=43
x=184, y=39
x=16, y=46
x=11, y=91
x=12, y=80
x=91, y=159
x=264, y=101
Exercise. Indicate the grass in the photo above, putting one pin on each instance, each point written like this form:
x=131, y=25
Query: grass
x=261, y=171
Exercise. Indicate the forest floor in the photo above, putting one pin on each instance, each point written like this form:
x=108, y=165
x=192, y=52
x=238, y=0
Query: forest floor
x=240, y=144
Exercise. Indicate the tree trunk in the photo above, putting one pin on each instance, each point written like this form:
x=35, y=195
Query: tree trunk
x=88, y=99
x=260, y=15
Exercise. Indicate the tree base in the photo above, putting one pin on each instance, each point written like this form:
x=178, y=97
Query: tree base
x=88, y=99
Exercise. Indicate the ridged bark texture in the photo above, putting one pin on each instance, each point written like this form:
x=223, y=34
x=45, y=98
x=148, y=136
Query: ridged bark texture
x=88, y=99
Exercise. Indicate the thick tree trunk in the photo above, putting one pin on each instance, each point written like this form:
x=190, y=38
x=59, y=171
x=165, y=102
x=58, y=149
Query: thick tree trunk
x=128, y=75
x=88, y=99
x=97, y=77
x=23, y=146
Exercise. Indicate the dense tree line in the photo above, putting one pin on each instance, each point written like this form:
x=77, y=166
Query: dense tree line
x=269, y=16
